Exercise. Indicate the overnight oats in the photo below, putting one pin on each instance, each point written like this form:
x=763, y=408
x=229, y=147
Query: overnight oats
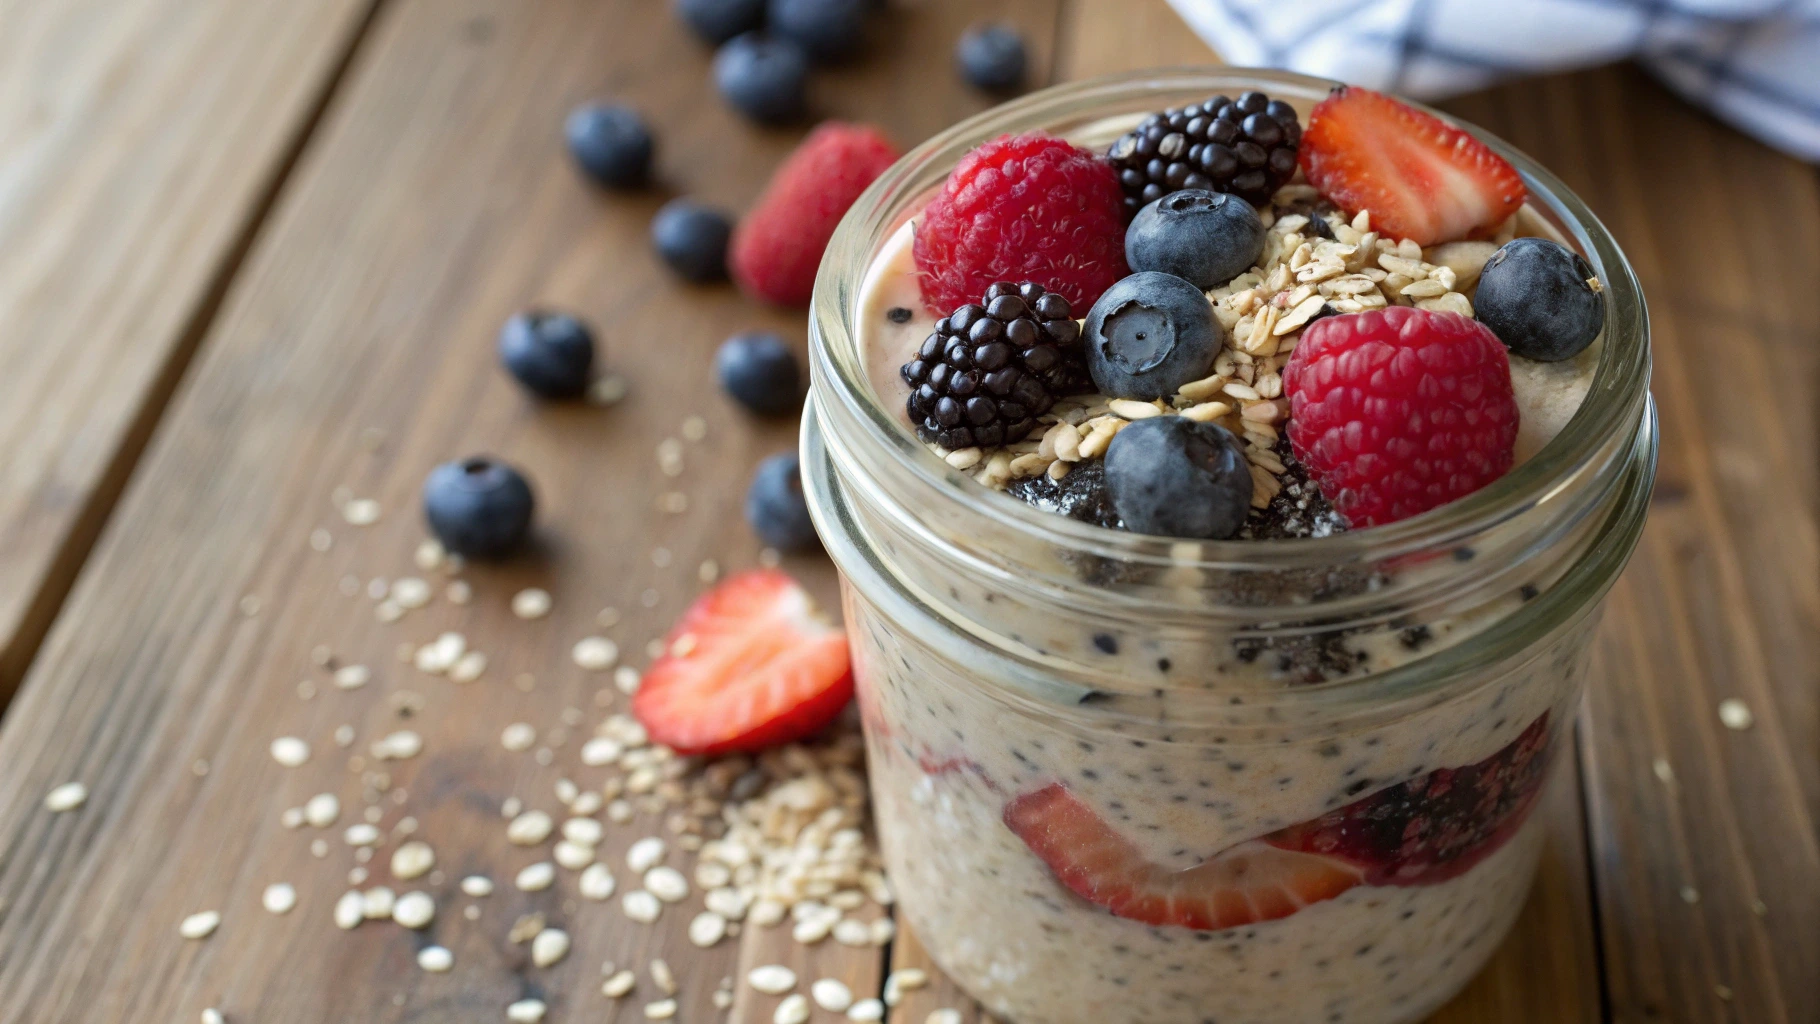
x=1225, y=473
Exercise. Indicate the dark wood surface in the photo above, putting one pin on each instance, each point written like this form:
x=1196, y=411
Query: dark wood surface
x=338, y=280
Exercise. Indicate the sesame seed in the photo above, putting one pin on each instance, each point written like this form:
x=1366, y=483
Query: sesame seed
x=831, y=994
x=573, y=856
x=1735, y=714
x=601, y=750
x=344, y=736
x=526, y=1011
x=1759, y=908
x=458, y=592
x=907, y=980
x=793, y=1010
x=290, y=751
x=411, y=592
x=667, y=884
x=772, y=979
x=518, y=736
x=535, y=878
x=608, y=390
x=641, y=906
x=626, y=679
x=319, y=848
x=707, y=928
x=361, y=512
x=770, y=558
x=663, y=1009
x=619, y=984
x=413, y=860
x=398, y=746
x=660, y=557
x=708, y=571
x=279, y=898
x=321, y=540
x=595, y=653
x=645, y=854
x=549, y=947
x=849, y=931
x=435, y=959
x=213, y=1016
x=866, y=1011
x=694, y=428
x=66, y=797
x=662, y=976
x=583, y=831
x=529, y=828
x=1664, y=771
x=597, y=882
x=722, y=998
x=881, y=931
x=944, y=1015
x=429, y=554
x=477, y=885
x=199, y=925
x=350, y=910
x=525, y=928
x=468, y=667
x=352, y=677
x=532, y=603
x=1689, y=894
x=414, y=910
x=1724, y=992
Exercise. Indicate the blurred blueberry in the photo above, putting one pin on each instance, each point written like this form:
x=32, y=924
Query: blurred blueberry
x=763, y=78
x=478, y=506
x=549, y=353
x=692, y=239
x=827, y=30
x=775, y=508
x=760, y=371
x=992, y=57
x=717, y=21
x=611, y=143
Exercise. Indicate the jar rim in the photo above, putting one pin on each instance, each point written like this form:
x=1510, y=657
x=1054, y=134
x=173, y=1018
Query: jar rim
x=1614, y=400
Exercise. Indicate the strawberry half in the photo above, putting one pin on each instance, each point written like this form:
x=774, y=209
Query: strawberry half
x=1421, y=178
x=750, y=665
x=1251, y=882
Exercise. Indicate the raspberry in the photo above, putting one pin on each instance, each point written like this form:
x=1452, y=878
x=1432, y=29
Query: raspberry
x=778, y=246
x=1400, y=410
x=1023, y=208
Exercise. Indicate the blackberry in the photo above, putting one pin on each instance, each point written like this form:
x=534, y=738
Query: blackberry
x=1246, y=147
x=991, y=369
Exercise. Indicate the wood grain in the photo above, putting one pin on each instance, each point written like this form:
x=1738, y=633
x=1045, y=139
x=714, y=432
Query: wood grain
x=143, y=140
x=1723, y=596
x=354, y=351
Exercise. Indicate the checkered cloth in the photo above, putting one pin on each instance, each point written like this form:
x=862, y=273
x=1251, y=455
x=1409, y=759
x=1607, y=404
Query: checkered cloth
x=1755, y=63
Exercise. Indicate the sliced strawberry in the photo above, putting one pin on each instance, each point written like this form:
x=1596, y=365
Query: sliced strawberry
x=1248, y=883
x=749, y=665
x=1420, y=177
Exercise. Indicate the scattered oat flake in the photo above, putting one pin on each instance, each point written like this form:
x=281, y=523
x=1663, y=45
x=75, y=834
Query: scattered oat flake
x=66, y=797
x=549, y=947
x=535, y=878
x=412, y=860
x=526, y=1011
x=831, y=994
x=641, y=906
x=290, y=751
x=279, y=898
x=361, y=512
x=531, y=603
x=199, y=925
x=1735, y=714
x=793, y=1010
x=772, y=979
x=435, y=959
x=595, y=653
x=414, y=910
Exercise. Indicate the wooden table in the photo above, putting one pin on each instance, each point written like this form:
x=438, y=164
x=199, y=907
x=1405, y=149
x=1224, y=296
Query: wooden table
x=255, y=251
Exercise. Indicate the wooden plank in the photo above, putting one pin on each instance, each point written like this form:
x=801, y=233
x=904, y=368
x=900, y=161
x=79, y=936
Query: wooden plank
x=1722, y=600
x=143, y=140
x=355, y=351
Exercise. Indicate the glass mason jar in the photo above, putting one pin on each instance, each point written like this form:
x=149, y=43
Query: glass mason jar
x=1109, y=785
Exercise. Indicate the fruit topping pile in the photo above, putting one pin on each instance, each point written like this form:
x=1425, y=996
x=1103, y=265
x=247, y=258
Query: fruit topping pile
x=1333, y=310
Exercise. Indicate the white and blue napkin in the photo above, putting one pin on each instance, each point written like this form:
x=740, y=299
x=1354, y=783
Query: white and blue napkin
x=1755, y=63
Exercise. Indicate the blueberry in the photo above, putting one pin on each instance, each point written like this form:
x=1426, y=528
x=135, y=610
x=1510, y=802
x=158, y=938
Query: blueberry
x=991, y=57
x=717, y=21
x=1176, y=477
x=1536, y=296
x=692, y=239
x=827, y=30
x=1206, y=238
x=549, y=353
x=611, y=143
x=478, y=506
x=775, y=508
x=760, y=371
x=762, y=78
x=1148, y=335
